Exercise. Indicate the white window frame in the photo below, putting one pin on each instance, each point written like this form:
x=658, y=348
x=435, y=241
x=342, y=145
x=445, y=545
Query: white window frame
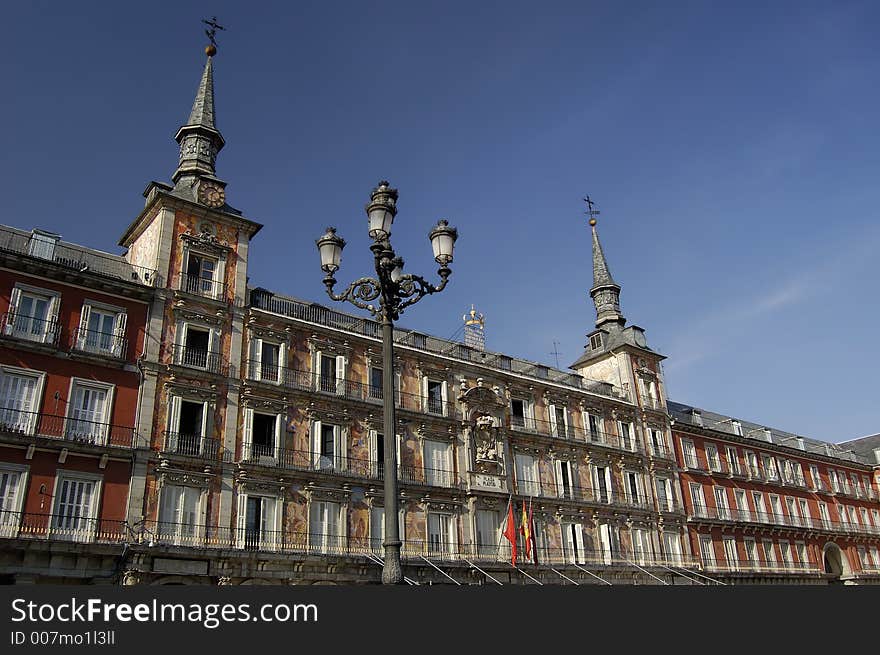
x=73, y=427
x=340, y=450
x=607, y=478
x=723, y=507
x=815, y=477
x=712, y=452
x=19, y=419
x=248, y=436
x=176, y=531
x=437, y=476
x=698, y=500
x=753, y=467
x=527, y=485
x=173, y=442
x=321, y=542
x=120, y=319
x=490, y=549
x=528, y=418
x=563, y=467
x=689, y=450
x=554, y=421
x=444, y=395
x=672, y=547
x=447, y=545
x=760, y=507
x=609, y=542
x=53, y=308
x=92, y=517
x=751, y=549
x=180, y=356
x=800, y=549
x=741, y=499
x=217, y=280
x=600, y=426
x=12, y=502
x=641, y=546
x=626, y=428
x=666, y=485
x=730, y=553
x=638, y=497
x=268, y=537
x=338, y=385
x=707, y=552
x=255, y=369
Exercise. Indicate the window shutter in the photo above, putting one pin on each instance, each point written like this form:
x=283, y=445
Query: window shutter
x=340, y=375
x=340, y=446
x=560, y=490
x=247, y=431
x=119, y=333
x=552, y=411
x=444, y=397
x=14, y=301
x=282, y=363
x=316, y=370
x=241, y=519
x=82, y=333
x=374, y=450
x=173, y=423
x=256, y=359
x=424, y=393
x=52, y=318
x=167, y=506
x=269, y=523
x=316, y=444
x=579, y=543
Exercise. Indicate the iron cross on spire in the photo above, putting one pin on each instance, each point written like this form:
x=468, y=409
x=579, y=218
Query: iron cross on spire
x=213, y=26
x=592, y=213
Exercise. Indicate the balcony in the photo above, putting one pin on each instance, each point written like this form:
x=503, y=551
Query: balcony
x=293, y=379
x=77, y=430
x=61, y=527
x=759, y=566
x=191, y=445
x=198, y=358
x=203, y=287
x=93, y=342
x=29, y=328
x=649, y=402
x=569, y=432
x=692, y=463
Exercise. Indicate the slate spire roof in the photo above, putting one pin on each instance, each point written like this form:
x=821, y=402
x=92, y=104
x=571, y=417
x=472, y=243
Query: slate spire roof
x=199, y=138
x=203, y=107
x=601, y=274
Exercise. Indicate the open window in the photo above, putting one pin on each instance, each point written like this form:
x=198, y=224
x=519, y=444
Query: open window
x=262, y=435
x=179, y=515
x=20, y=394
x=330, y=377
x=202, y=276
x=32, y=314
x=267, y=360
x=102, y=330
x=326, y=527
x=259, y=518
x=75, y=506
x=88, y=411
x=13, y=483
x=558, y=421
x=573, y=548
x=435, y=394
x=327, y=446
x=564, y=479
x=187, y=427
x=602, y=484
x=198, y=348
x=521, y=414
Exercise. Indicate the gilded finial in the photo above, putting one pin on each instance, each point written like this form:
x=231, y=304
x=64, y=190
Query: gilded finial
x=211, y=32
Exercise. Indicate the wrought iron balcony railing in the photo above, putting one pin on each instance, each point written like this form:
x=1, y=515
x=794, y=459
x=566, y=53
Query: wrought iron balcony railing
x=100, y=343
x=30, y=328
x=759, y=566
x=204, y=287
x=61, y=527
x=192, y=445
x=780, y=520
x=69, y=428
x=544, y=489
x=572, y=432
x=198, y=358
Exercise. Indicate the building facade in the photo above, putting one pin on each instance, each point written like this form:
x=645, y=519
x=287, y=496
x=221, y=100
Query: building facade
x=233, y=435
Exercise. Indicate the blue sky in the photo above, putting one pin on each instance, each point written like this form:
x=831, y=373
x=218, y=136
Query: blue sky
x=732, y=149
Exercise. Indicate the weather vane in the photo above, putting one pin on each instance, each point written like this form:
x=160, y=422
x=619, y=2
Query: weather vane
x=592, y=213
x=213, y=26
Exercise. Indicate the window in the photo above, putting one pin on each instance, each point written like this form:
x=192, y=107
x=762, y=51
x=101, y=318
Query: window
x=760, y=507
x=596, y=342
x=856, y=485
x=438, y=471
x=179, y=515
x=573, y=549
x=853, y=517
x=435, y=396
x=863, y=513
x=267, y=360
x=326, y=527
x=707, y=551
x=835, y=483
x=558, y=421
x=672, y=547
x=33, y=314
x=721, y=504
x=752, y=464
x=665, y=499
x=202, y=276
x=733, y=460
x=377, y=385
x=187, y=422
x=712, y=457
x=698, y=501
x=197, y=349
x=730, y=553
x=377, y=455
x=769, y=553
x=602, y=484
x=88, y=411
x=488, y=531
x=737, y=428
x=331, y=373
x=101, y=330
x=377, y=529
x=751, y=552
x=441, y=534
x=801, y=550
x=75, y=515
x=824, y=516
x=794, y=515
x=785, y=549
x=12, y=492
x=505, y=363
x=805, y=512
x=776, y=508
x=742, y=505
x=258, y=522
x=609, y=542
x=521, y=414
x=769, y=464
x=641, y=544
x=328, y=451
x=625, y=432
x=658, y=444
x=690, y=454
x=633, y=487
x=20, y=392
x=875, y=515
x=564, y=486
x=814, y=476
x=42, y=244
x=527, y=475
x=875, y=557
x=594, y=426
x=262, y=435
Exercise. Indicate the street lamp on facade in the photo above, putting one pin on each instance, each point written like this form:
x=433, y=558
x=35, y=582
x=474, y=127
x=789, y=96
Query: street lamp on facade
x=395, y=291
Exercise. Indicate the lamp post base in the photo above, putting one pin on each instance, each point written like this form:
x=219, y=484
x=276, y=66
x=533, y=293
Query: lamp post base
x=392, y=573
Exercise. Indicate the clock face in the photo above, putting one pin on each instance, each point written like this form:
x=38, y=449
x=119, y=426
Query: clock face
x=211, y=194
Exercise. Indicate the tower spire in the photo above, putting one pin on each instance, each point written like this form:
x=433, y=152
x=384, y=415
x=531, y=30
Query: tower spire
x=199, y=138
x=605, y=292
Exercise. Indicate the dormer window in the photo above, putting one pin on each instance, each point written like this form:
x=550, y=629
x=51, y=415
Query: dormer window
x=596, y=342
x=42, y=245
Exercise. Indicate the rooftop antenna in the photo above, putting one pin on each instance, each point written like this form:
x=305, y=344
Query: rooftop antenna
x=555, y=352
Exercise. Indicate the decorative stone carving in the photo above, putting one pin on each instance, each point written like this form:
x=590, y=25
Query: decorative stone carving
x=131, y=578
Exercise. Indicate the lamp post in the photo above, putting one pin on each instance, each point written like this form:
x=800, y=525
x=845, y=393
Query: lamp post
x=395, y=291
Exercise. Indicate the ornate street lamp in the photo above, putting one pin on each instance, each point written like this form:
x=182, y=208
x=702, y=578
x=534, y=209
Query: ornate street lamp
x=396, y=291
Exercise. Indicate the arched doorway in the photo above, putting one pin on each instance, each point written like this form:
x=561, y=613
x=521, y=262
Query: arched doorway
x=835, y=562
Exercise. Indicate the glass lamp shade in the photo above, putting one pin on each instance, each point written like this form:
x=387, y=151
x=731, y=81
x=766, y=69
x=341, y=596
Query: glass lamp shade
x=330, y=248
x=381, y=210
x=443, y=242
x=397, y=271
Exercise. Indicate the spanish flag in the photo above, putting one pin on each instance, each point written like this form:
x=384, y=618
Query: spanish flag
x=510, y=532
x=526, y=531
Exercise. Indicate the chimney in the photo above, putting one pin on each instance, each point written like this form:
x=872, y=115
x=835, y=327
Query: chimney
x=698, y=417
x=877, y=455
x=768, y=435
x=473, y=330
x=800, y=443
